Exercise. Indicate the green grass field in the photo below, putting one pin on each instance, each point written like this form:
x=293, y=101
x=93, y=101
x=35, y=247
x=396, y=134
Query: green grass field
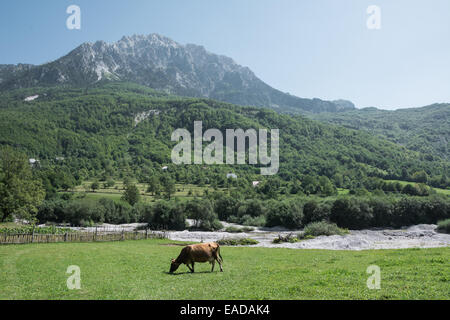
x=138, y=270
x=115, y=193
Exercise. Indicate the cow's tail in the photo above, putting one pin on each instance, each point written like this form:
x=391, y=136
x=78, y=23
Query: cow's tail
x=218, y=251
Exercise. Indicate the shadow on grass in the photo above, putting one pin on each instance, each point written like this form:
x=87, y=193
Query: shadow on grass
x=187, y=272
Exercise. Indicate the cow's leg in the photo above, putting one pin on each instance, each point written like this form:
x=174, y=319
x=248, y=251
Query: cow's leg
x=213, y=263
x=192, y=267
x=187, y=265
x=220, y=264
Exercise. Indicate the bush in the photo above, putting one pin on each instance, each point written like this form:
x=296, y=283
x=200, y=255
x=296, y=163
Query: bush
x=444, y=226
x=251, y=208
x=40, y=230
x=232, y=229
x=259, y=221
x=84, y=213
x=164, y=215
x=201, y=211
x=316, y=211
x=352, y=213
x=117, y=212
x=383, y=212
x=211, y=226
x=322, y=228
x=51, y=210
x=289, y=238
x=436, y=208
x=225, y=207
x=238, y=242
x=408, y=211
x=286, y=214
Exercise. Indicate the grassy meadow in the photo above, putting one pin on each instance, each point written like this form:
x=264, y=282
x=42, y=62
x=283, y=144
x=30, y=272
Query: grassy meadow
x=138, y=270
x=183, y=191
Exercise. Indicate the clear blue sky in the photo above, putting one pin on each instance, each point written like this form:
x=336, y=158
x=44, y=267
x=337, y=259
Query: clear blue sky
x=317, y=48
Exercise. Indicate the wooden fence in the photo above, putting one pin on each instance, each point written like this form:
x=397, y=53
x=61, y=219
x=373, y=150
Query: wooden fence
x=97, y=235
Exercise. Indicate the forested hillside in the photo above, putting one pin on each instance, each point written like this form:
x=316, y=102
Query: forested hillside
x=93, y=133
x=424, y=129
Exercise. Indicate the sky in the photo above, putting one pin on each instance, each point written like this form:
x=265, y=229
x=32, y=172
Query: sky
x=320, y=48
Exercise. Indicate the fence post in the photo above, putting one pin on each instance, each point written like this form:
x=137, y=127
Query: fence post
x=65, y=237
x=146, y=233
x=32, y=235
x=123, y=234
x=95, y=234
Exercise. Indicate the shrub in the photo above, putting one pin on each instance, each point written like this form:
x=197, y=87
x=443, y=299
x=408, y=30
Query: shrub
x=436, y=208
x=351, y=213
x=40, y=230
x=408, y=211
x=238, y=242
x=383, y=212
x=51, y=210
x=84, y=212
x=211, y=225
x=251, y=208
x=444, y=226
x=259, y=221
x=118, y=212
x=322, y=228
x=289, y=238
x=232, y=229
x=202, y=212
x=286, y=214
x=316, y=211
x=225, y=206
x=165, y=214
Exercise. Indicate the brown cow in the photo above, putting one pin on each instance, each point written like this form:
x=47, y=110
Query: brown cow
x=203, y=252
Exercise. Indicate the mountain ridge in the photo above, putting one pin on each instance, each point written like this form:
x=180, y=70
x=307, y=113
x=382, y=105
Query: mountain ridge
x=163, y=64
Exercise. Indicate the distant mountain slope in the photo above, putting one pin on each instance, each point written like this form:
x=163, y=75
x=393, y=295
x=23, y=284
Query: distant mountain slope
x=163, y=64
x=424, y=129
x=120, y=128
x=11, y=71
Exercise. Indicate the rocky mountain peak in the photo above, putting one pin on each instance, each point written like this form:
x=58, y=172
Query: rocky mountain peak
x=159, y=62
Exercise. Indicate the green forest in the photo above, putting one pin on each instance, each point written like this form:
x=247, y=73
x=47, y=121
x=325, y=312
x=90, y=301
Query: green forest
x=120, y=133
x=426, y=129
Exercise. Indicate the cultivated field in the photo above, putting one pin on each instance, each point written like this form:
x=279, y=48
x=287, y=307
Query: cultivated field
x=183, y=191
x=138, y=270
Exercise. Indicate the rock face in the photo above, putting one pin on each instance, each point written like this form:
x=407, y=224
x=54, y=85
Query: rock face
x=9, y=71
x=162, y=64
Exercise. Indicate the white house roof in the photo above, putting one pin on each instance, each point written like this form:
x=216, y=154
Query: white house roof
x=31, y=98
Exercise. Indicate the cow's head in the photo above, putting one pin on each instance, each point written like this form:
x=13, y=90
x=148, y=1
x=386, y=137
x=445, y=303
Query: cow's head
x=174, y=266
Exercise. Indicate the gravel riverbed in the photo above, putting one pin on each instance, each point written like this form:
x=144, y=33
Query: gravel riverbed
x=419, y=236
